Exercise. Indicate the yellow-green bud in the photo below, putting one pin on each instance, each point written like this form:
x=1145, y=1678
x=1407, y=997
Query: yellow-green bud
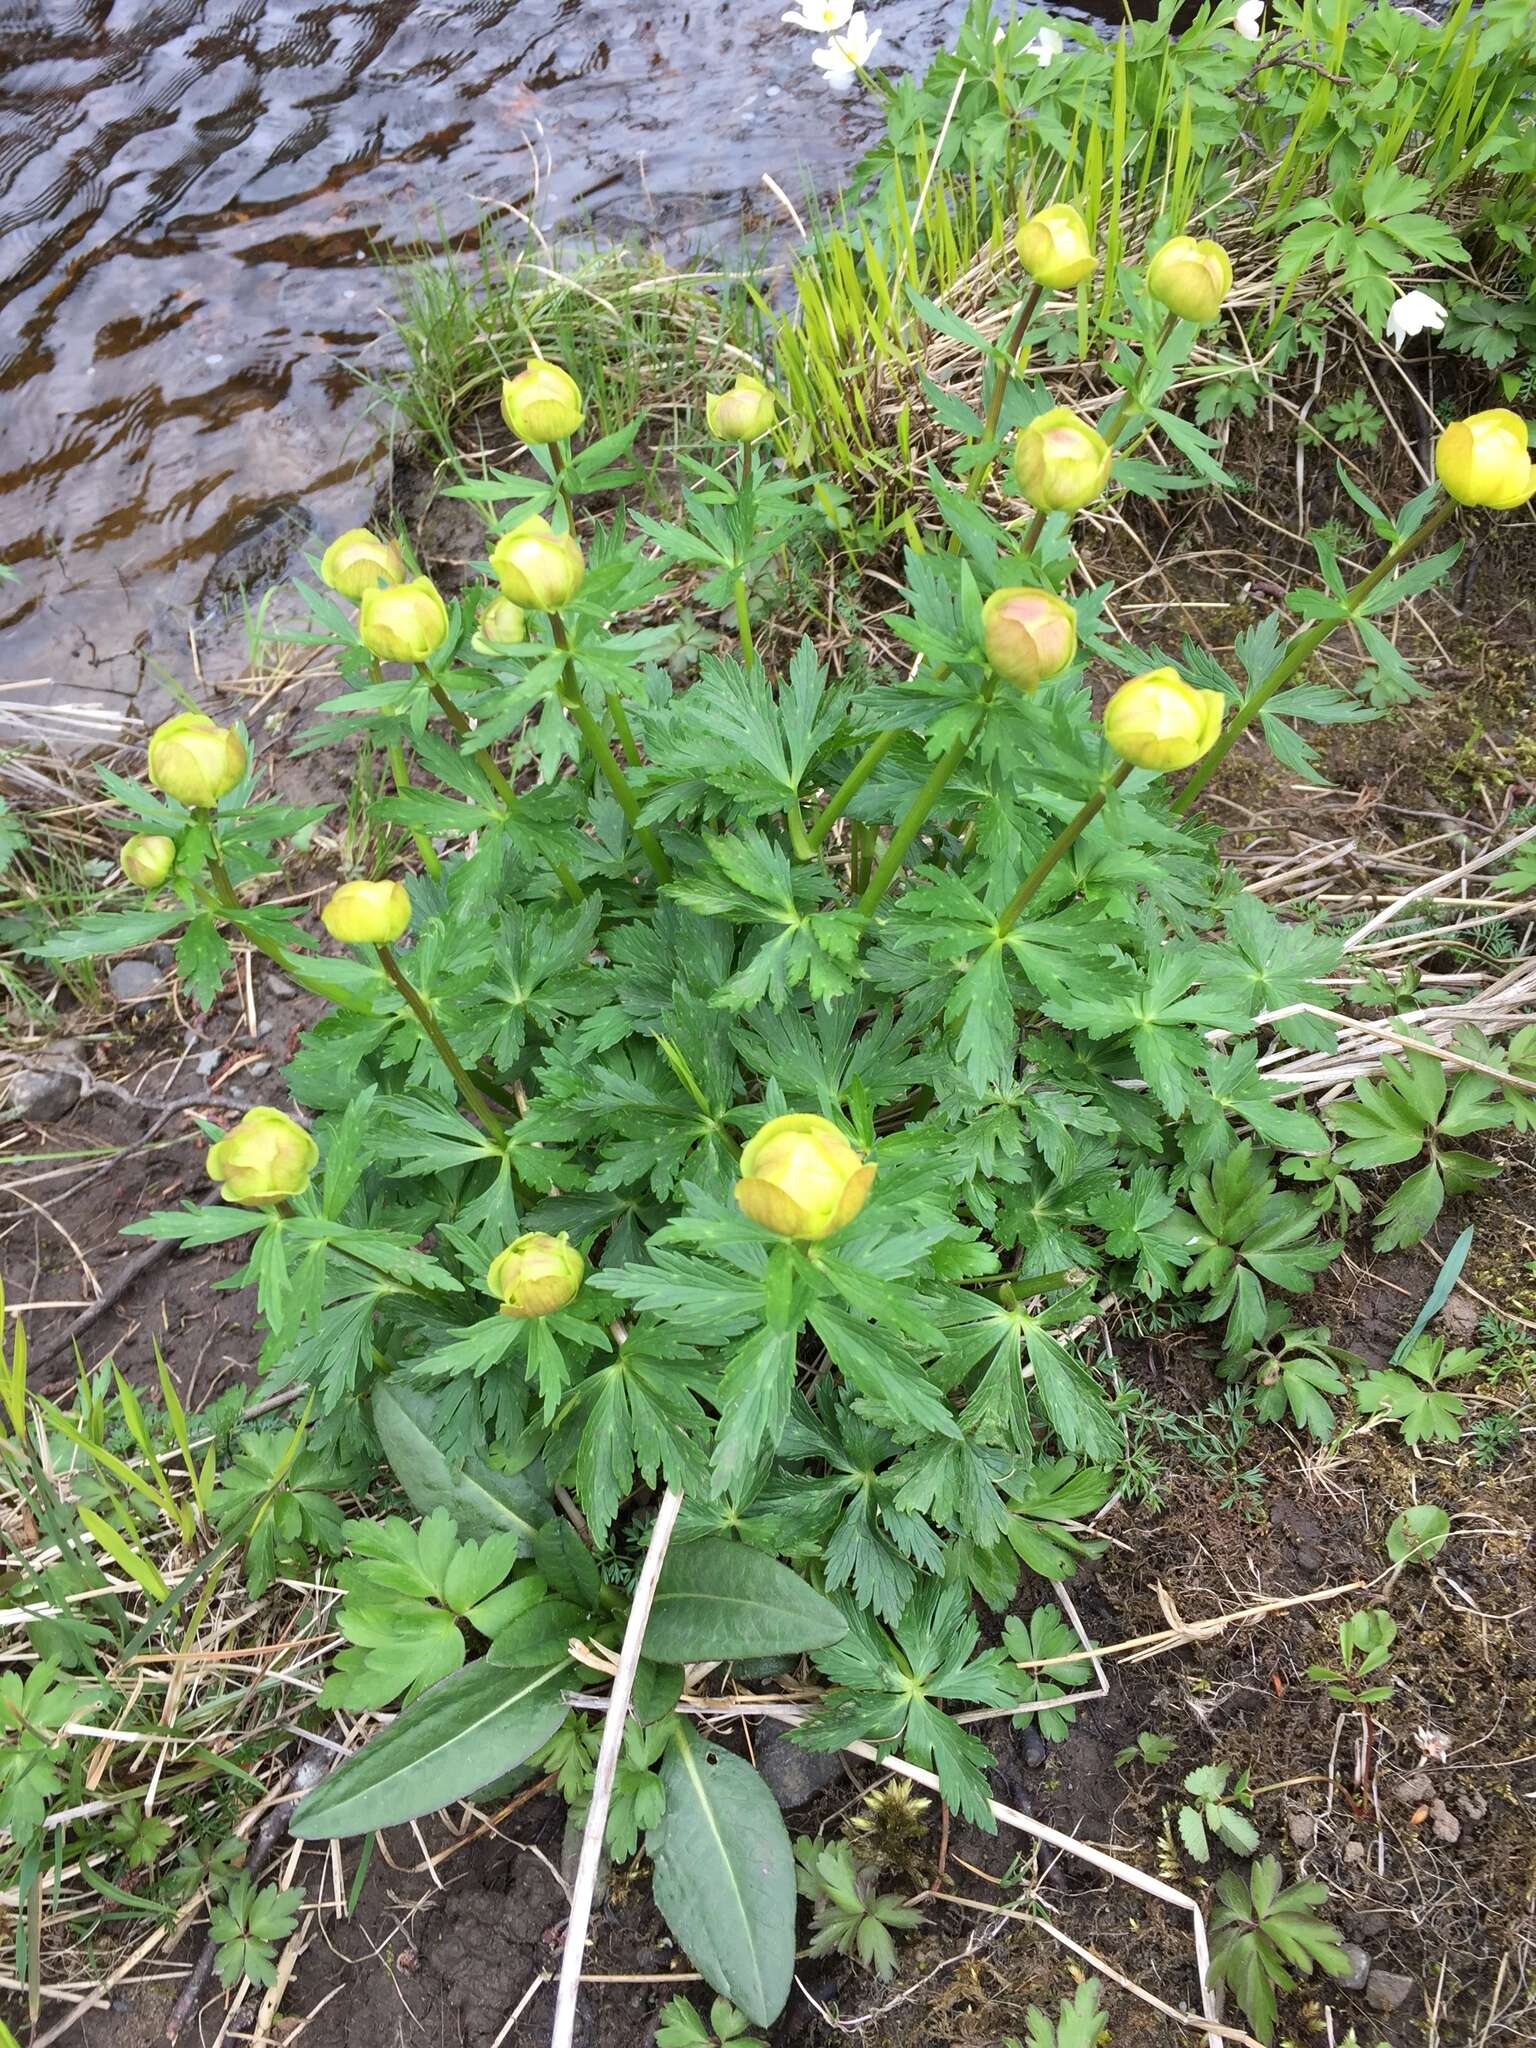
x=1055, y=247
x=406, y=623
x=1029, y=635
x=358, y=560
x=744, y=413
x=194, y=760
x=147, y=858
x=1190, y=278
x=367, y=913
x=1486, y=460
x=1157, y=720
x=267, y=1157
x=801, y=1178
x=542, y=403
x=1060, y=463
x=501, y=624
x=539, y=569
x=536, y=1274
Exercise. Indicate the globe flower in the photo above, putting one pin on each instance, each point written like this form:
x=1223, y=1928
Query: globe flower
x=407, y=623
x=537, y=567
x=501, y=624
x=194, y=760
x=1486, y=460
x=744, y=413
x=801, y=1178
x=1054, y=246
x=367, y=913
x=536, y=1274
x=542, y=402
x=147, y=858
x=1157, y=720
x=358, y=560
x=1190, y=278
x=1029, y=635
x=1059, y=462
x=267, y=1157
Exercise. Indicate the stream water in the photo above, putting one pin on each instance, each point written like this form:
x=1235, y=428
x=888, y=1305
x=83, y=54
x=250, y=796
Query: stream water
x=191, y=192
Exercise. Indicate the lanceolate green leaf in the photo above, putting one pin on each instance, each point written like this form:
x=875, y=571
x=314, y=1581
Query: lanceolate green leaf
x=475, y=1726
x=482, y=1501
x=717, y=1599
x=724, y=1875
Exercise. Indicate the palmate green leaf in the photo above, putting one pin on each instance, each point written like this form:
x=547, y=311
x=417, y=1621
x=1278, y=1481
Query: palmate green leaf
x=753, y=1400
x=1046, y=1634
x=1070, y=1395
x=1413, y=1392
x=1154, y=1009
x=202, y=958
x=718, y=1599
x=1265, y=964
x=639, y=1414
x=109, y=931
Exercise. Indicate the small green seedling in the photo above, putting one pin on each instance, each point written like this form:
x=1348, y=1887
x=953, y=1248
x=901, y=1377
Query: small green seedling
x=1147, y=1749
x=1213, y=1810
x=1261, y=1935
x=1365, y=1643
x=850, y=1917
x=1418, y=1534
x=681, y=2027
x=1080, y=2022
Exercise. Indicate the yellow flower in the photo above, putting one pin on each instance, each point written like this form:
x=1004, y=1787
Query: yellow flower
x=1059, y=462
x=367, y=913
x=1054, y=246
x=358, y=560
x=744, y=413
x=542, y=402
x=1029, y=635
x=536, y=1274
x=407, y=623
x=1190, y=278
x=1486, y=460
x=1159, y=721
x=194, y=760
x=802, y=1178
x=500, y=624
x=267, y=1157
x=147, y=858
x=537, y=567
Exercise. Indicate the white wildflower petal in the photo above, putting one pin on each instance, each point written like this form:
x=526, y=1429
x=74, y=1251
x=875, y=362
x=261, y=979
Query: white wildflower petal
x=821, y=17
x=1249, y=20
x=1045, y=47
x=1414, y=313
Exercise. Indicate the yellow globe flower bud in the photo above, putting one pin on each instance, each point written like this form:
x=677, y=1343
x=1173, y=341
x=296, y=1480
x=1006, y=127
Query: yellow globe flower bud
x=147, y=858
x=542, y=402
x=1486, y=460
x=536, y=1274
x=267, y=1157
x=1059, y=462
x=744, y=413
x=358, y=560
x=537, y=567
x=194, y=760
x=802, y=1178
x=1055, y=247
x=367, y=913
x=501, y=624
x=1160, y=721
x=406, y=623
x=1029, y=635
x=1190, y=278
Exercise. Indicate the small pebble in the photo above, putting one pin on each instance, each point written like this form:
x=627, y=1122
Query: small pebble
x=280, y=988
x=1036, y=1748
x=1386, y=1990
x=1359, y=1969
x=41, y=1095
x=134, y=981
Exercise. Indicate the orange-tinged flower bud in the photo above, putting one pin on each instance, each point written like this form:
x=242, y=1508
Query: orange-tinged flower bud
x=542, y=402
x=1029, y=635
x=267, y=1157
x=194, y=760
x=537, y=567
x=801, y=1178
x=1055, y=247
x=367, y=913
x=1190, y=278
x=1060, y=463
x=147, y=858
x=358, y=560
x=406, y=623
x=536, y=1274
x=500, y=624
x=1157, y=720
x=744, y=413
x=1486, y=460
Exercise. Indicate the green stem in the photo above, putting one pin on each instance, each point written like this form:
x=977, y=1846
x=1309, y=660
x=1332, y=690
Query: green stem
x=1300, y=652
x=916, y=818
x=1130, y=396
x=602, y=757
x=850, y=786
x=450, y=1059
x=977, y=481
x=402, y=782
x=493, y=775
x=743, y=616
x=1062, y=844
x=1032, y=534
x=623, y=731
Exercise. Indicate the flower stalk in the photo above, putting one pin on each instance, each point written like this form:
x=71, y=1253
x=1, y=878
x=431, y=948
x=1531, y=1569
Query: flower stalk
x=978, y=478
x=421, y=1011
x=916, y=817
x=850, y=786
x=1060, y=846
x=597, y=746
x=485, y=762
x=1128, y=403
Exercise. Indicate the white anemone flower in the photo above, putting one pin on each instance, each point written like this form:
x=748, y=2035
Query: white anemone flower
x=1414, y=313
x=821, y=17
x=847, y=51
x=1045, y=47
x=1249, y=20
